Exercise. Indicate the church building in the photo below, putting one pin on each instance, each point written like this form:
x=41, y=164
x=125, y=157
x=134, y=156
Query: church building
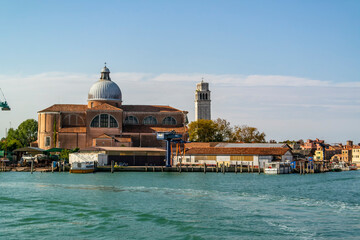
x=105, y=122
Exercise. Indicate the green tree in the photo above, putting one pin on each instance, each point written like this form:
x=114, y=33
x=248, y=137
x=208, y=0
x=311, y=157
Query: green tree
x=248, y=134
x=13, y=144
x=202, y=131
x=223, y=130
x=27, y=132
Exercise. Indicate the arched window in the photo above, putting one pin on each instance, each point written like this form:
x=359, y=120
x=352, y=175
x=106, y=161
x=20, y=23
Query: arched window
x=104, y=121
x=169, y=121
x=150, y=120
x=206, y=96
x=131, y=120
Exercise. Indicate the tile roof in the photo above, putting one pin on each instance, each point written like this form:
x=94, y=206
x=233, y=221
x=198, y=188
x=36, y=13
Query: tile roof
x=73, y=130
x=124, y=149
x=237, y=151
x=253, y=145
x=105, y=106
x=65, y=108
x=148, y=108
x=150, y=129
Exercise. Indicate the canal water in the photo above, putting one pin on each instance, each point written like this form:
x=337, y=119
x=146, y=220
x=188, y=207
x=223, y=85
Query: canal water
x=127, y=205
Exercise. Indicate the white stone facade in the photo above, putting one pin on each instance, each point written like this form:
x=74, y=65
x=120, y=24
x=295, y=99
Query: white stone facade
x=202, y=101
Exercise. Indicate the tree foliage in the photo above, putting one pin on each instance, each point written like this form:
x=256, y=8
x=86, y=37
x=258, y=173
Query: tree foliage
x=220, y=130
x=22, y=136
x=64, y=154
x=202, y=131
x=248, y=134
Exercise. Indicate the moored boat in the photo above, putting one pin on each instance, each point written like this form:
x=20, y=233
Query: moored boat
x=277, y=168
x=82, y=167
x=353, y=167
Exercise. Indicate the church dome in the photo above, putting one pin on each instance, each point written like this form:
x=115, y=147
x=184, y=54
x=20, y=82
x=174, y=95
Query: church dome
x=105, y=89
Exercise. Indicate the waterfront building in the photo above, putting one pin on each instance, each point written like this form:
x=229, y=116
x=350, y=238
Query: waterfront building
x=252, y=156
x=356, y=155
x=105, y=121
x=202, y=101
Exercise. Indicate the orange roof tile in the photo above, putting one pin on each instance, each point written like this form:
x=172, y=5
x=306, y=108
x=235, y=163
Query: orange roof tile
x=65, y=108
x=148, y=108
x=150, y=129
x=237, y=151
x=105, y=106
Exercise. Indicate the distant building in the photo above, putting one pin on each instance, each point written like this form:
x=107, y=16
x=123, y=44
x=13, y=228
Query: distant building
x=356, y=155
x=106, y=122
x=202, y=101
x=254, y=156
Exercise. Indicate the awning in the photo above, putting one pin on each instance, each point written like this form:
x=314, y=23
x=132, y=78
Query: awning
x=30, y=150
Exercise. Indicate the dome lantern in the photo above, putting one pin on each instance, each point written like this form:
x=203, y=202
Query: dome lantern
x=105, y=90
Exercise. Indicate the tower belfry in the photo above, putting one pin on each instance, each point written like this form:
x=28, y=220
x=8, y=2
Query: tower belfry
x=202, y=101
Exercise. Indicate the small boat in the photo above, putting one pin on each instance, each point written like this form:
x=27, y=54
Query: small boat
x=336, y=168
x=277, y=168
x=353, y=167
x=82, y=167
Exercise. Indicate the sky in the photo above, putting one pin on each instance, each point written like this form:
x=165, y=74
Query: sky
x=289, y=68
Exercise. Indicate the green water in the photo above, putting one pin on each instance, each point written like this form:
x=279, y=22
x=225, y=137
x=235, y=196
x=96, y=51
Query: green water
x=150, y=205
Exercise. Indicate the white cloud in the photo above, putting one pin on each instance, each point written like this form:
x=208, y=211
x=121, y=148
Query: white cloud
x=281, y=106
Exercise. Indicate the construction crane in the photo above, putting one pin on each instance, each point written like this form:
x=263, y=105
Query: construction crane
x=169, y=137
x=4, y=105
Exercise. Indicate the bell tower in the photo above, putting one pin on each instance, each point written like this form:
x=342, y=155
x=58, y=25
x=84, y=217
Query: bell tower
x=202, y=101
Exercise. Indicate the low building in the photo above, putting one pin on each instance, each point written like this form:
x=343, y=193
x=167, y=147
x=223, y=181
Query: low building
x=356, y=155
x=254, y=156
x=130, y=156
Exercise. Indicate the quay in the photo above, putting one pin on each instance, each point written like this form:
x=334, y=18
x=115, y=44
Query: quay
x=304, y=169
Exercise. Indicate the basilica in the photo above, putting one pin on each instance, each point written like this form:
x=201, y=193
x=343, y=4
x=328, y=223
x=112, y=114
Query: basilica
x=105, y=122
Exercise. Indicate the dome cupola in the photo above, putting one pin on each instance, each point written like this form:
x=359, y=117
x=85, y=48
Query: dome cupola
x=105, y=90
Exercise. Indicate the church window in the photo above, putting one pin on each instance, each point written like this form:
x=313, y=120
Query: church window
x=95, y=122
x=104, y=121
x=169, y=121
x=113, y=122
x=150, y=120
x=131, y=120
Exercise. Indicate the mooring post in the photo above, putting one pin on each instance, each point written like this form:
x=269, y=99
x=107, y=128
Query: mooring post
x=205, y=168
x=32, y=166
x=223, y=168
x=248, y=165
x=252, y=166
x=236, y=167
x=217, y=168
x=52, y=166
x=112, y=166
x=241, y=170
x=59, y=166
x=64, y=166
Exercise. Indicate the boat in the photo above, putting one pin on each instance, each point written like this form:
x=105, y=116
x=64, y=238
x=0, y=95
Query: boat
x=336, y=168
x=353, y=167
x=82, y=167
x=277, y=168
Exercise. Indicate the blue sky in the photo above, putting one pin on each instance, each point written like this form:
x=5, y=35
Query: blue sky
x=290, y=68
